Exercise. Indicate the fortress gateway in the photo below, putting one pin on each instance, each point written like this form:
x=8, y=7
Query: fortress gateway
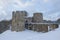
x=20, y=22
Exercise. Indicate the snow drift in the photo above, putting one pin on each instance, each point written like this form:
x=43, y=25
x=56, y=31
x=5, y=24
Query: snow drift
x=30, y=35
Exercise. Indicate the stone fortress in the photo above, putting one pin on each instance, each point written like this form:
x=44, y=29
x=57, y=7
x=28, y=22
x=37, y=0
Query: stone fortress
x=21, y=21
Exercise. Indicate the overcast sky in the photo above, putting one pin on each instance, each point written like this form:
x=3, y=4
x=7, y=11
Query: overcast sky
x=49, y=8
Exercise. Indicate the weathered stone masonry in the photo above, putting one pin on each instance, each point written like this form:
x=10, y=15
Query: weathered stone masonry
x=20, y=21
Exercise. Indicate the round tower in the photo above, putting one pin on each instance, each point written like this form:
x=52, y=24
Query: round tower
x=38, y=17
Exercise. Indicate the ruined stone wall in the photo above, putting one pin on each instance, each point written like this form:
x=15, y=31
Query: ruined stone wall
x=37, y=17
x=44, y=28
x=18, y=21
x=53, y=26
x=40, y=27
x=34, y=28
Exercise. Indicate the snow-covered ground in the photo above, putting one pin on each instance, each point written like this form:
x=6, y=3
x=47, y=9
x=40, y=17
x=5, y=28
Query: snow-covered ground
x=30, y=35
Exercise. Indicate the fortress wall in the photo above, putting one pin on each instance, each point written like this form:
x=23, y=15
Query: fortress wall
x=40, y=27
x=53, y=26
x=18, y=22
x=44, y=28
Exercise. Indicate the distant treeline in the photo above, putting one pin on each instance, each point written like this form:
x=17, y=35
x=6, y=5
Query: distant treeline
x=58, y=20
x=4, y=25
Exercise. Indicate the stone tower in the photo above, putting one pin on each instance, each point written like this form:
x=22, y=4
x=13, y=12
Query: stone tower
x=18, y=20
x=37, y=17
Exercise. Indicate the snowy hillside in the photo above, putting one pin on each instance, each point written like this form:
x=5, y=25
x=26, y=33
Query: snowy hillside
x=30, y=35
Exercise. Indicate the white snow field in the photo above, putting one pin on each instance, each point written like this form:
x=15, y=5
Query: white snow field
x=30, y=35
